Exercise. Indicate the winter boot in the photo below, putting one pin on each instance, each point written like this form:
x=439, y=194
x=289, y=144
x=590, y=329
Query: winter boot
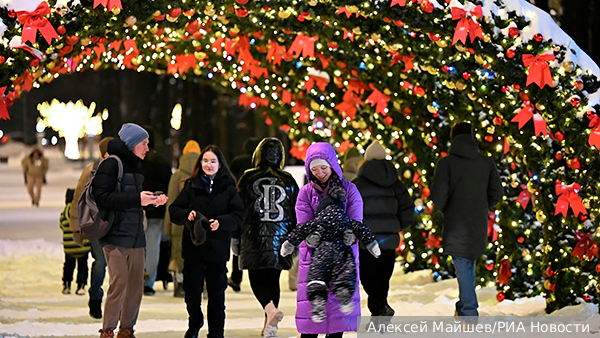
x=318, y=309
x=106, y=333
x=66, y=288
x=80, y=289
x=125, y=333
x=274, y=316
x=345, y=298
x=95, y=308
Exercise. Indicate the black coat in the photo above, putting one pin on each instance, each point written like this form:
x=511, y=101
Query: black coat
x=264, y=230
x=128, y=228
x=466, y=185
x=223, y=203
x=388, y=207
x=157, y=171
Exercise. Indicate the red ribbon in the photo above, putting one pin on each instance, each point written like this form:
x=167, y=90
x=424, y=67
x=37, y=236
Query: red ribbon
x=526, y=114
x=539, y=70
x=34, y=21
x=321, y=82
x=584, y=246
x=594, y=139
x=346, y=11
x=303, y=45
x=467, y=26
x=3, y=105
x=275, y=54
x=348, y=105
x=109, y=4
x=402, y=3
x=348, y=35
x=432, y=241
x=491, y=230
x=378, y=100
x=567, y=195
x=406, y=59
x=524, y=196
x=504, y=272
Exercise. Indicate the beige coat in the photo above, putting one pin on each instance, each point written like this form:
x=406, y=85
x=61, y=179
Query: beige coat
x=36, y=168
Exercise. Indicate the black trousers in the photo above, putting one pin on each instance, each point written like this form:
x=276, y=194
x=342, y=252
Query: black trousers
x=375, y=274
x=194, y=274
x=331, y=335
x=69, y=269
x=236, y=273
x=265, y=285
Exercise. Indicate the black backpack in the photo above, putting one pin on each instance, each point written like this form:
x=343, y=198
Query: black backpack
x=95, y=224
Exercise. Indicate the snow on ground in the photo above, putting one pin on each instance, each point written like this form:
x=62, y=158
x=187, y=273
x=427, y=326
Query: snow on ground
x=31, y=258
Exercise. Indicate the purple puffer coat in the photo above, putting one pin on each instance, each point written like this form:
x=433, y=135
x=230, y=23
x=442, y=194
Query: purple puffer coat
x=308, y=200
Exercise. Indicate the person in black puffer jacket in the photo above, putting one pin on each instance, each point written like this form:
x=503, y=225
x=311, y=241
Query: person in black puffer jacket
x=124, y=243
x=466, y=185
x=269, y=194
x=388, y=209
x=209, y=194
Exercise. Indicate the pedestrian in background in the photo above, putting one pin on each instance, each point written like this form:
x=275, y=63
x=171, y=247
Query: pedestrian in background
x=211, y=208
x=388, y=209
x=187, y=160
x=269, y=194
x=35, y=167
x=239, y=164
x=324, y=172
x=98, y=270
x=74, y=253
x=157, y=173
x=466, y=185
x=124, y=243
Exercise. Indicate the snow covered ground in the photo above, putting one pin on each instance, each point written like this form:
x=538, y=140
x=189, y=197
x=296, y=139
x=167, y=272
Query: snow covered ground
x=31, y=257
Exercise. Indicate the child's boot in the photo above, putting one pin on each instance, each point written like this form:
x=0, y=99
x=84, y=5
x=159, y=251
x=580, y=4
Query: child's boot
x=66, y=288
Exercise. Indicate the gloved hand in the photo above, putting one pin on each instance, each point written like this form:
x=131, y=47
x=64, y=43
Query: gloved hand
x=313, y=239
x=235, y=246
x=286, y=248
x=373, y=248
x=349, y=237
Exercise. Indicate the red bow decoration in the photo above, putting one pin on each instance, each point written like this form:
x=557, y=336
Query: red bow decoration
x=252, y=101
x=379, y=100
x=348, y=35
x=348, y=105
x=524, y=196
x=299, y=149
x=131, y=51
x=504, y=272
x=34, y=21
x=321, y=82
x=584, y=246
x=3, y=105
x=539, y=70
x=300, y=110
x=567, y=195
x=432, y=241
x=344, y=146
x=346, y=11
x=594, y=139
x=303, y=45
x=402, y=3
x=109, y=4
x=526, y=114
x=275, y=54
x=491, y=229
x=181, y=63
x=467, y=26
x=406, y=59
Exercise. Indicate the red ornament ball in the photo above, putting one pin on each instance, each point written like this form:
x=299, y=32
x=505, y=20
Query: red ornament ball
x=575, y=101
x=538, y=37
x=505, y=89
x=436, y=115
x=510, y=53
x=594, y=249
x=549, y=272
x=427, y=6
x=175, y=12
x=434, y=37
x=590, y=114
x=242, y=2
x=513, y=166
x=61, y=30
x=445, y=69
x=489, y=138
x=34, y=62
x=513, y=32
x=12, y=13
x=575, y=164
x=2, y=59
x=578, y=84
x=559, y=136
x=498, y=120
x=516, y=87
x=558, y=156
x=466, y=75
x=598, y=268
x=500, y=296
x=586, y=298
x=521, y=239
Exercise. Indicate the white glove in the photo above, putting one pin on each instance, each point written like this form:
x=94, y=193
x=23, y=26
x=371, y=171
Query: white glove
x=235, y=246
x=286, y=248
x=349, y=237
x=373, y=248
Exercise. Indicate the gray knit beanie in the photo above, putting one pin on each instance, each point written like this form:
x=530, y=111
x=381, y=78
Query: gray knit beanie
x=132, y=134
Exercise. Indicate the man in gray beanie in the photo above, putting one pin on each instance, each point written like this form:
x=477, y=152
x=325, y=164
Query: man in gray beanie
x=132, y=134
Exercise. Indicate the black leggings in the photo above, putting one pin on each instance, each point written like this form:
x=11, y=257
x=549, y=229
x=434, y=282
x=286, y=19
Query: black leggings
x=331, y=335
x=265, y=285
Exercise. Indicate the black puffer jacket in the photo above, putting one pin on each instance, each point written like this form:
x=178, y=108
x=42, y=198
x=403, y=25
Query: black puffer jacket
x=269, y=194
x=128, y=229
x=388, y=207
x=465, y=186
x=223, y=204
x=157, y=171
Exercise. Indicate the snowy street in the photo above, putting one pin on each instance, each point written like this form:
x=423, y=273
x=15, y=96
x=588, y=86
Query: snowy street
x=31, y=259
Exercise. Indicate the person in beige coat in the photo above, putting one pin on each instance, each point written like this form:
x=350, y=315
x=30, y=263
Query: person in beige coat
x=35, y=167
x=98, y=270
x=189, y=157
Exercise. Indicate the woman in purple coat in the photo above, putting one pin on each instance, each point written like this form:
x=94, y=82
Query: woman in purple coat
x=324, y=172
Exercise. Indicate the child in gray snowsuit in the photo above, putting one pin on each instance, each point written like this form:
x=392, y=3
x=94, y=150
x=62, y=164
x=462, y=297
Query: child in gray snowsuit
x=331, y=233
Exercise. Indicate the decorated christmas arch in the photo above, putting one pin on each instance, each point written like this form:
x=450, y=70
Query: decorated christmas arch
x=400, y=71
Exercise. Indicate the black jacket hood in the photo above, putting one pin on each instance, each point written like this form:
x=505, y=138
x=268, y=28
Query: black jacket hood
x=269, y=152
x=381, y=172
x=464, y=145
x=117, y=147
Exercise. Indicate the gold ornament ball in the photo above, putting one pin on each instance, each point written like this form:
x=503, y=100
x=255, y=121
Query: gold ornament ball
x=540, y=216
x=345, y=135
x=410, y=258
x=530, y=187
x=49, y=50
x=362, y=124
x=491, y=129
x=487, y=38
x=431, y=109
x=472, y=96
x=461, y=85
x=569, y=66
x=355, y=124
x=525, y=253
x=514, y=184
x=540, y=106
x=116, y=10
x=171, y=18
x=407, y=174
x=85, y=41
x=450, y=85
x=586, y=203
x=313, y=2
x=314, y=105
x=442, y=43
x=547, y=284
x=284, y=14
x=209, y=11
x=131, y=20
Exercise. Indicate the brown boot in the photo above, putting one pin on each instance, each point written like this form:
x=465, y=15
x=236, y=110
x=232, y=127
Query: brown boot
x=125, y=333
x=106, y=333
x=274, y=316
